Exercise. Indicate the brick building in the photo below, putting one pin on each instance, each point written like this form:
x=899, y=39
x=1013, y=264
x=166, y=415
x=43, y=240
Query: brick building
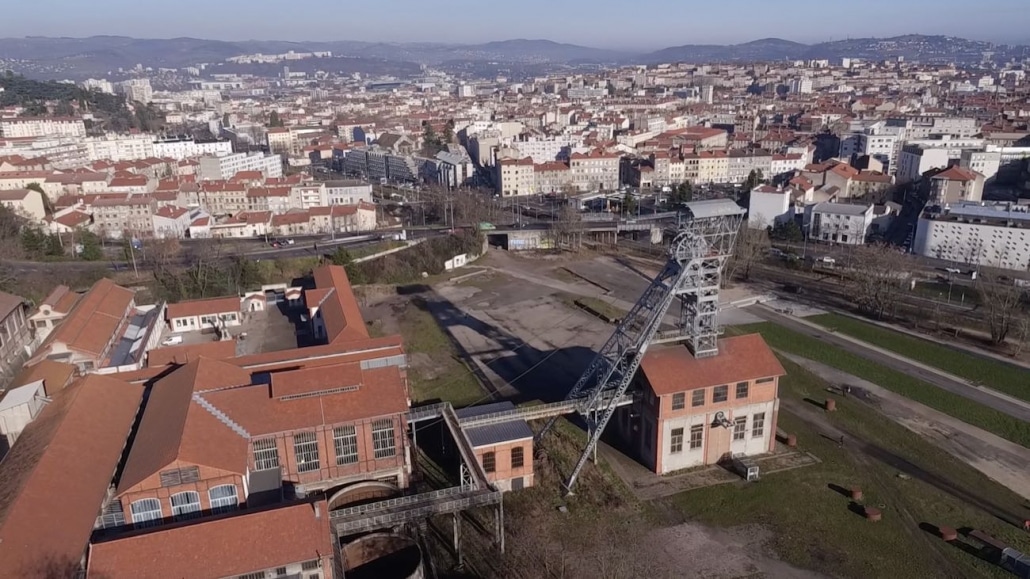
x=699, y=411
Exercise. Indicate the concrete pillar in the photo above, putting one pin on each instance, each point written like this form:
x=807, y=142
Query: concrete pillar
x=457, y=539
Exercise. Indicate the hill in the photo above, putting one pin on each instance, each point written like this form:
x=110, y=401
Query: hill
x=43, y=98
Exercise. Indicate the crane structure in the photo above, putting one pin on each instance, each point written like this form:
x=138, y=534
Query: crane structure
x=692, y=274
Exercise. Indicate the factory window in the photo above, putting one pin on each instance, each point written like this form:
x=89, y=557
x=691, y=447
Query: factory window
x=758, y=425
x=223, y=498
x=742, y=389
x=186, y=505
x=518, y=457
x=679, y=401
x=146, y=512
x=305, y=447
x=698, y=398
x=345, y=438
x=266, y=455
x=490, y=462
x=720, y=394
x=676, y=441
x=383, y=442
x=739, y=428
x=696, y=436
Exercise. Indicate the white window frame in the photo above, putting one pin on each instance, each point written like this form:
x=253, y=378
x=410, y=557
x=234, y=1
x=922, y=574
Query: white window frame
x=266, y=457
x=345, y=441
x=223, y=503
x=740, y=428
x=305, y=451
x=758, y=425
x=384, y=441
x=698, y=442
x=148, y=517
x=183, y=507
x=676, y=441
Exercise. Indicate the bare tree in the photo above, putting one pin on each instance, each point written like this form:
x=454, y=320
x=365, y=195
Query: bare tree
x=876, y=279
x=1002, y=303
x=751, y=246
x=567, y=228
x=1022, y=333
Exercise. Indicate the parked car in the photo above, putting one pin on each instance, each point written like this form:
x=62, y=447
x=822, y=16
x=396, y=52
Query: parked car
x=171, y=341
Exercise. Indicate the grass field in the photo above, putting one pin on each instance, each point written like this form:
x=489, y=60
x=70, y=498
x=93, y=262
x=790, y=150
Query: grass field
x=954, y=405
x=993, y=374
x=812, y=524
x=437, y=372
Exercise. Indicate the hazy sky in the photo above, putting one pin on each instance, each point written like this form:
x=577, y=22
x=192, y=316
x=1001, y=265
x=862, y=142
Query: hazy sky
x=634, y=24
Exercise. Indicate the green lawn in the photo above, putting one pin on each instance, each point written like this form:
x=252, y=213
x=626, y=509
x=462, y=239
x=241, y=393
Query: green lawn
x=954, y=405
x=437, y=372
x=811, y=523
x=993, y=374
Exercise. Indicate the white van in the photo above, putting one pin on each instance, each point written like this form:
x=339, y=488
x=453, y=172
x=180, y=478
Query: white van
x=171, y=341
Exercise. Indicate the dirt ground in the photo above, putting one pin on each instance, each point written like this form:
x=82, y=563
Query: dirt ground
x=707, y=552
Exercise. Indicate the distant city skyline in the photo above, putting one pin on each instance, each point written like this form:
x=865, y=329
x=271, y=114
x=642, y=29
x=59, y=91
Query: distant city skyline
x=644, y=25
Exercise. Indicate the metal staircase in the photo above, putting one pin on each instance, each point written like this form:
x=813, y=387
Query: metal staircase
x=692, y=275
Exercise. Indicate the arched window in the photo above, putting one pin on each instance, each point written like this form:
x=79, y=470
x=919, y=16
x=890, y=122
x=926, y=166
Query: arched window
x=186, y=505
x=223, y=498
x=146, y=512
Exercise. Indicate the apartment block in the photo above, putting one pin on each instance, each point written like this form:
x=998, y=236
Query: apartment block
x=26, y=127
x=224, y=167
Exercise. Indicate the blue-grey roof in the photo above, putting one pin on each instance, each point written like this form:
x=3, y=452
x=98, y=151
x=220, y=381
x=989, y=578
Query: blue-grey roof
x=494, y=433
x=713, y=208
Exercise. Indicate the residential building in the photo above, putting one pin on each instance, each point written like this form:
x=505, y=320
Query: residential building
x=516, y=177
x=25, y=127
x=54, y=308
x=348, y=192
x=955, y=185
x=118, y=217
x=171, y=222
x=993, y=235
x=700, y=411
x=137, y=90
x=224, y=167
x=769, y=206
x=181, y=148
x=25, y=202
x=595, y=171
x=841, y=222
x=915, y=160
x=553, y=177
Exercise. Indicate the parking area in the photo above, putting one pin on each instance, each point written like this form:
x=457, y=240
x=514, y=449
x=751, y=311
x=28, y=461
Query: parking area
x=277, y=328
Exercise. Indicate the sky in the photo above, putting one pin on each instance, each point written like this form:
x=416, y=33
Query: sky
x=617, y=24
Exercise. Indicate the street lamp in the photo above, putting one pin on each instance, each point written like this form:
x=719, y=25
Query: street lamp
x=806, y=229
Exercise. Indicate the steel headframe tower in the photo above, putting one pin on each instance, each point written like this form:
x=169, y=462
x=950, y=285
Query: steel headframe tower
x=692, y=274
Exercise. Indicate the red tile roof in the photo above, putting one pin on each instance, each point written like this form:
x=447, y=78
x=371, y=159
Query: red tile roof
x=206, y=550
x=176, y=427
x=205, y=307
x=340, y=312
x=93, y=320
x=56, y=476
x=674, y=369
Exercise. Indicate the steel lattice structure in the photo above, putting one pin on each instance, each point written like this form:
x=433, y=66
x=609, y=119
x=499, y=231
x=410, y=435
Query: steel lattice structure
x=692, y=274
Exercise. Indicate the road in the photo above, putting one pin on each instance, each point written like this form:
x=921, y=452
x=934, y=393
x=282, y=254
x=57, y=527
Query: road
x=938, y=379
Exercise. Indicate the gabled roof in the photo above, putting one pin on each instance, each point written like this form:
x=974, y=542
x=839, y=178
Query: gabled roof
x=55, y=479
x=176, y=427
x=209, y=549
x=340, y=312
x=671, y=369
x=93, y=320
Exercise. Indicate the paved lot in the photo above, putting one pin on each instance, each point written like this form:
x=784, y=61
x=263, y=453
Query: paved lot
x=529, y=344
x=269, y=331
